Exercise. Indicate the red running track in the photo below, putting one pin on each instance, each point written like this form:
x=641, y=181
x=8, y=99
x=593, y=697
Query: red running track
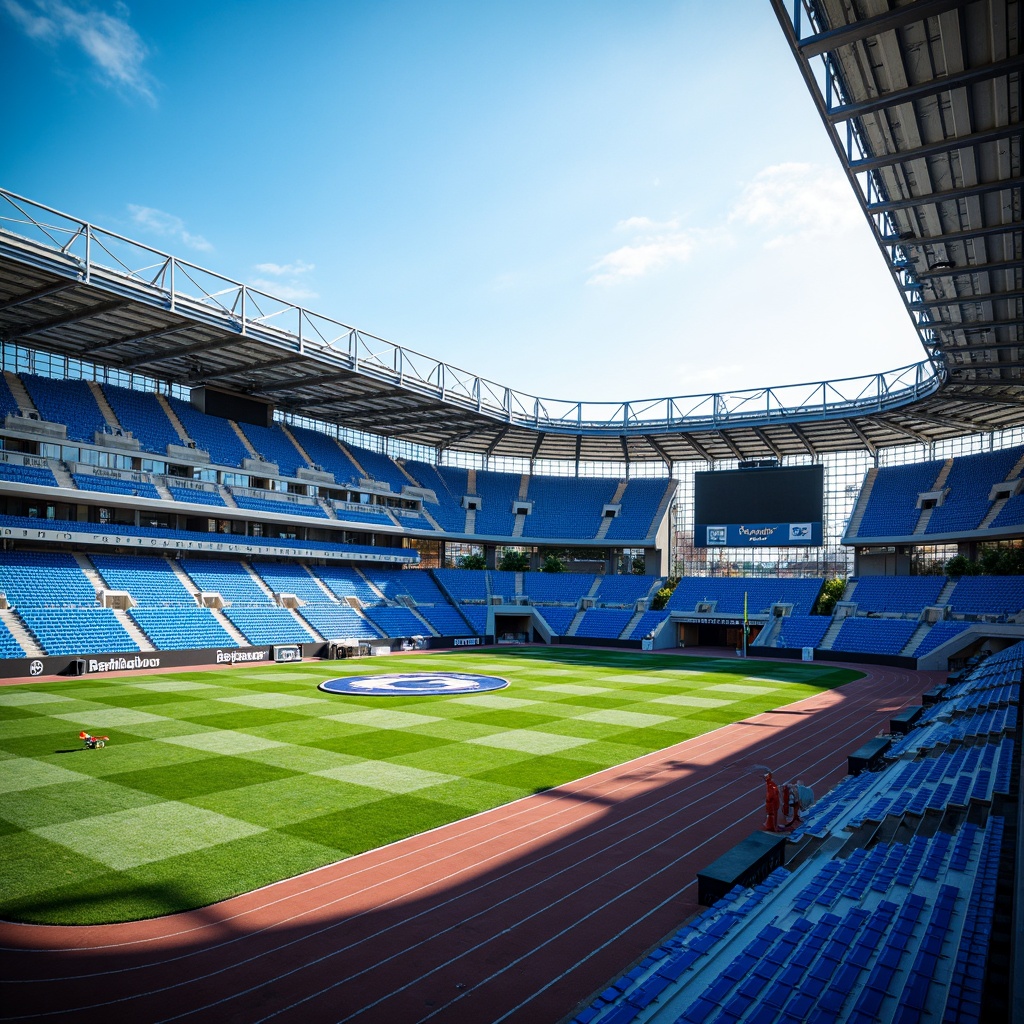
x=518, y=914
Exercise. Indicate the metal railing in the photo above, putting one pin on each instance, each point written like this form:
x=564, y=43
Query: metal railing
x=72, y=248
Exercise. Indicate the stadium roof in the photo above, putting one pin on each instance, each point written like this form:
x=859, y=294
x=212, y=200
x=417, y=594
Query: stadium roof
x=923, y=105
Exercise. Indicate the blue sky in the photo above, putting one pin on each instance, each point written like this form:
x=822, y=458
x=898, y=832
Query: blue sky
x=582, y=200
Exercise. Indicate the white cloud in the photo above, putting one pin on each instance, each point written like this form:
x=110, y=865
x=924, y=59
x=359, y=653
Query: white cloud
x=286, y=269
x=285, y=281
x=655, y=245
x=282, y=290
x=795, y=203
x=114, y=47
x=168, y=225
x=782, y=205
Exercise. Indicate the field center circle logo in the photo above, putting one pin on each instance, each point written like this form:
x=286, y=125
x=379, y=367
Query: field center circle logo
x=413, y=684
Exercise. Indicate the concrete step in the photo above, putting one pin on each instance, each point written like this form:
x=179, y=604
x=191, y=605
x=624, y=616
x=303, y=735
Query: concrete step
x=21, y=396
x=132, y=628
x=230, y=628
x=631, y=625
x=575, y=624
x=101, y=400
x=12, y=620
x=830, y=635
x=173, y=417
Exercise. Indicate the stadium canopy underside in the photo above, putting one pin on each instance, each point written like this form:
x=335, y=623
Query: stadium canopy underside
x=922, y=103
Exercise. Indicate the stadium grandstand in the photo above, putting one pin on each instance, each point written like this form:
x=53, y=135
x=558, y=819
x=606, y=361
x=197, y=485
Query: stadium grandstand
x=189, y=466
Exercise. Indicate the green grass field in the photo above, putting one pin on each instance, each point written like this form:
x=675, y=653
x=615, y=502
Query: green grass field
x=217, y=782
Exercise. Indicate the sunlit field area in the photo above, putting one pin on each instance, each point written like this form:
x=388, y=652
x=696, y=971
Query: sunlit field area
x=214, y=783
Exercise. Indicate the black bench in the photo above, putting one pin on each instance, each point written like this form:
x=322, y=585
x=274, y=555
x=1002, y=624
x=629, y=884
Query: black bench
x=746, y=864
x=869, y=757
x=933, y=696
x=902, y=723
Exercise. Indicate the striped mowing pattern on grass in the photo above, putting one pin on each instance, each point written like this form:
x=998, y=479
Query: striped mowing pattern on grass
x=214, y=783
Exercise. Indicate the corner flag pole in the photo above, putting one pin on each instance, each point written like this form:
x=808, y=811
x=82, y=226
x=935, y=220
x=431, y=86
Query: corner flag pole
x=745, y=626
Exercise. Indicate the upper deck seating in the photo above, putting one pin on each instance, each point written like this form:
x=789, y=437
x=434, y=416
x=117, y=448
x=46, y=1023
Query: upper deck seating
x=969, y=484
x=229, y=579
x=275, y=446
x=449, y=488
x=8, y=405
x=142, y=414
x=1011, y=514
x=380, y=467
x=874, y=636
x=892, y=506
x=211, y=434
x=326, y=453
x=906, y=595
x=36, y=476
x=497, y=491
x=115, y=485
x=556, y=587
x=70, y=402
x=988, y=595
x=567, y=507
x=762, y=593
x=640, y=503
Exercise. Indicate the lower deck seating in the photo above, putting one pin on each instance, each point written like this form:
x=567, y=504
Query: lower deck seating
x=339, y=622
x=606, y=623
x=176, y=629
x=874, y=636
x=62, y=631
x=649, y=623
x=268, y=626
x=9, y=646
x=803, y=631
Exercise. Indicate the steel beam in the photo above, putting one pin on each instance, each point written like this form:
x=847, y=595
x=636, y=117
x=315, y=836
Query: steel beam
x=845, y=35
x=959, y=79
x=865, y=440
x=499, y=437
x=970, y=269
x=768, y=443
x=85, y=313
x=163, y=332
x=874, y=163
x=803, y=439
x=698, y=448
x=228, y=341
x=723, y=436
x=39, y=293
x=947, y=196
x=251, y=368
x=967, y=300
x=920, y=241
x=313, y=380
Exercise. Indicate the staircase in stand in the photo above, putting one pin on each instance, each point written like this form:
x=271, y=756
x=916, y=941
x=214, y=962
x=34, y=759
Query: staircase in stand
x=830, y=635
x=10, y=618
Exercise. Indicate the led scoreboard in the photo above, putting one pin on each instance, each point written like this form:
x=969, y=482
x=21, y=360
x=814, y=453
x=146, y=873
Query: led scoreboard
x=777, y=506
